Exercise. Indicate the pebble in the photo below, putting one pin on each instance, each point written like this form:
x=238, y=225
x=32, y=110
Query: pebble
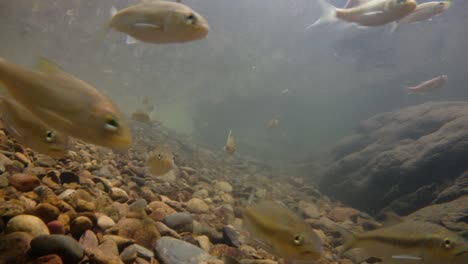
x=13, y=247
x=64, y=246
x=27, y=223
x=79, y=225
x=223, y=186
x=196, y=205
x=159, y=210
x=175, y=251
x=56, y=227
x=104, y=222
x=119, y=195
x=49, y=259
x=341, y=214
x=143, y=231
x=180, y=222
x=4, y=180
x=24, y=182
x=45, y=161
x=230, y=236
x=46, y=212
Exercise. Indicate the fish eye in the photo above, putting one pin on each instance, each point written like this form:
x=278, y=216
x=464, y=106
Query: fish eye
x=160, y=156
x=448, y=243
x=298, y=239
x=191, y=19
x=112, y=124
x=50, y=136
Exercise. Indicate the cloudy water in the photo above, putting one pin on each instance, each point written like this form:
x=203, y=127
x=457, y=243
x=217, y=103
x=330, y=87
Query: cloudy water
x=360, y=111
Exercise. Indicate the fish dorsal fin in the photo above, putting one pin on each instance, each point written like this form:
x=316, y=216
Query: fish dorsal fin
x=391, y=218
x=47, y=66
x=355, y=3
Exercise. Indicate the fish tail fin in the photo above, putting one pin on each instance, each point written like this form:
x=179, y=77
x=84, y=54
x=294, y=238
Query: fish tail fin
x=348, y=236
x=131, y=40
x=230, y=133
x=113, y=11
x=328, y=14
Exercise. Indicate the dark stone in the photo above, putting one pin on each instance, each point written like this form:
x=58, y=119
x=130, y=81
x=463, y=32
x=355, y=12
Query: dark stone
x=230, y=237
x=66, y=247
x=180, y=222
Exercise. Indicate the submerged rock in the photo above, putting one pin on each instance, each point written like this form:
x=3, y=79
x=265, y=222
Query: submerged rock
x=66, y=247
x=30, y=224
x=401, y=160
x=175, y=251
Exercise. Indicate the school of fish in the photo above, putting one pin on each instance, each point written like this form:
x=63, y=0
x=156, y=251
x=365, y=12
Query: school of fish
x=45, y=108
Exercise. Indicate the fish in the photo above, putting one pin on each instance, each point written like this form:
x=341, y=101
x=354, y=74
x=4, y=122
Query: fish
x=285, y=91
x=159, y=22
x=428, y=86
x=425, y=11
x=274, y=122
x=30, y=131
x=410, y=241
x=66, y=103
x=369, y=14
x=160, y=160
x=354, y=3
x=230, y=146
x=281, y=232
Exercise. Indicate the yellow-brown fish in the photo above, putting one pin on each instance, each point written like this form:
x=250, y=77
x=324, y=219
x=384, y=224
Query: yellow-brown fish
x=230, y=146
x=414, y=241
x=30, y=131
x=274, y=122
x=372, y=13
x=66, y=103
x=281, y=232
x=159, y=22
x=160, y=160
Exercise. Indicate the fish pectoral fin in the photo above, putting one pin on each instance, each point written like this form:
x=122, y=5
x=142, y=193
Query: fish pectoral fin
x=131, y=40
x=407, y=257
x=47, y=66
x=392, y=218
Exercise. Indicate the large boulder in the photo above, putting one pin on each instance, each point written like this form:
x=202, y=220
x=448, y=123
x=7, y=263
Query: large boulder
x=403, y=160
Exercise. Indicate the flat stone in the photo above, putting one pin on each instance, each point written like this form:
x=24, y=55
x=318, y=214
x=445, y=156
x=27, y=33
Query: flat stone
x=66, y=247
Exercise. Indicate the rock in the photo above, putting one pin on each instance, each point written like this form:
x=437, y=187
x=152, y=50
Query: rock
x=69, y=177
x=4, y=180
x=341, y=214
x=196, y=205
x=309, y=210
x=181, y=222
x=203, y=242
x=79, y=225
x=104, y=222
x=13, y=247
x=129, y=254
x=175, y=251
x=22, y=158
x=164, y=230
x=56, y=227
x=393, y=155
x=160, y=210
x=143, y=231
x=49, y=259
x=46, y=212
x=66, y=247
x=45, y=161
x=223, y=186
x=202, y=194
x=24, y=182
x=119, y=195
x=452, y=192
x=11, y=208
x=230, y=236
x=30, y=224
x=88, y=240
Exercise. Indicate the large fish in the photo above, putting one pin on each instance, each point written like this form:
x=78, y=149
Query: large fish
x=429, y=85
x=159, y=22
x=410, y=241
x=66, y=103
x=30, y=131
x=425, y=11
x=281, y=232
x=372, y=13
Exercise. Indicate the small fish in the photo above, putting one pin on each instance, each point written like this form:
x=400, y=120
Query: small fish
x=141, y=116
x=230, y=146
x=274, y=122
x=30, y=131
x=425, y=11
x=428, y=86
x=66, y=103
x=415, y=241
x=285, y=91
x=370, y=14
x=160, y=160
x=281, y=232
x=159, y=22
